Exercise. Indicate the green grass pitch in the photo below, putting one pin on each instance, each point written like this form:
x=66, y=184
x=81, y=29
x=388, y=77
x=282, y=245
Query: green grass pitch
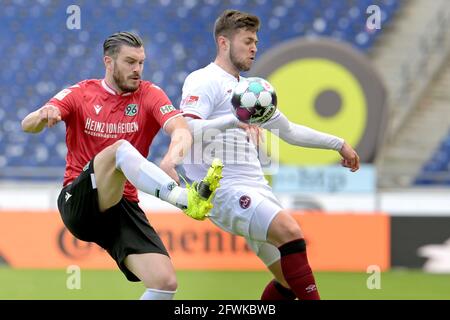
x=217, y=285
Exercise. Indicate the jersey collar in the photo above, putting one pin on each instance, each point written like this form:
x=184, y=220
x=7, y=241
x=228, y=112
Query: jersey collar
x=112, y=91
x=224, y=72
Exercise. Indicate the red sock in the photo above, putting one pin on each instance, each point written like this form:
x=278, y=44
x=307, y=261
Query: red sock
x=275, y=291
x=296, y=270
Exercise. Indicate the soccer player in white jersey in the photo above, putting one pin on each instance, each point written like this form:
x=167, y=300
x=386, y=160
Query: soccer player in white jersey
x=245, y=204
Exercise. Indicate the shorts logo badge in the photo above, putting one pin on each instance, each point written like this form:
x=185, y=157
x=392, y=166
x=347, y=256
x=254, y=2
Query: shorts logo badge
x=245, y=201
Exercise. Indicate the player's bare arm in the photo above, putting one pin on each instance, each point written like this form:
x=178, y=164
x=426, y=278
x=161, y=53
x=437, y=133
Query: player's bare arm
x=36, y=121
x=181, y=141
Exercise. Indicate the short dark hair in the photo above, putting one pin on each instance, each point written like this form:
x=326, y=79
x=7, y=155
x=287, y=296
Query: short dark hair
x=230, y=21
x=112, y=44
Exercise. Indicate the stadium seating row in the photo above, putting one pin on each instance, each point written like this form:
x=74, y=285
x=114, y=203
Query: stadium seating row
x=40, y=55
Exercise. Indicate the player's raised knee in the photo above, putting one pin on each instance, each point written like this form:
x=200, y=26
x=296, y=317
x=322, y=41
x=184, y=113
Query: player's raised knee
x=122, y=144
x=118, y=143
x=112, y=149
x=109, y=156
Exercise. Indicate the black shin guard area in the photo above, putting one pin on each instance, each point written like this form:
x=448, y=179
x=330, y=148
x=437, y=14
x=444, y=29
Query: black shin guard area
x=291, y=247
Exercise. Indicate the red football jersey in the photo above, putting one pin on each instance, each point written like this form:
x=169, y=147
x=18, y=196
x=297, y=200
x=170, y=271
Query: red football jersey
x=96, y=117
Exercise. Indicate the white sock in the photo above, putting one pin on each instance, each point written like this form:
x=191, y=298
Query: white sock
x=148, y=177
x=155, y=294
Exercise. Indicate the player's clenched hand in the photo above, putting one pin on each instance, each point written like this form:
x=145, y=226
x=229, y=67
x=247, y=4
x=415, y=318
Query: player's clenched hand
x=254, y=132
x=50, y=115
x=350, y=157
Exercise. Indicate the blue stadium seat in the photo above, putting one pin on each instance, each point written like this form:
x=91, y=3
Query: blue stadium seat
x=178, y=40
x=436, y=170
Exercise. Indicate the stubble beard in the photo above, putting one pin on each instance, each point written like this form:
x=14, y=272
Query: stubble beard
x=239, y=65
x=121, y=82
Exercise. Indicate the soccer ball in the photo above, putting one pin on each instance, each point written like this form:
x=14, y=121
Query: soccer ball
x=254, y=100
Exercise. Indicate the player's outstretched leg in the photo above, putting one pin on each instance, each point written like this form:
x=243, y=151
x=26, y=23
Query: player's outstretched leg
x=195, y=200
x=285, y=233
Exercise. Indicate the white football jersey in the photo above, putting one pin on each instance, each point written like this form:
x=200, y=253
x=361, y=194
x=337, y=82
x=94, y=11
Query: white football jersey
x=207, y=95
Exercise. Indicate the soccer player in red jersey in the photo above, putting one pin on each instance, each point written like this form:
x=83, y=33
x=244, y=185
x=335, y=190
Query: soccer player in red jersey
x=110, y=124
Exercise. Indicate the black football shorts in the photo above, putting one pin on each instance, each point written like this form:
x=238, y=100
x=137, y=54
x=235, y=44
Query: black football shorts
x=121, y=230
